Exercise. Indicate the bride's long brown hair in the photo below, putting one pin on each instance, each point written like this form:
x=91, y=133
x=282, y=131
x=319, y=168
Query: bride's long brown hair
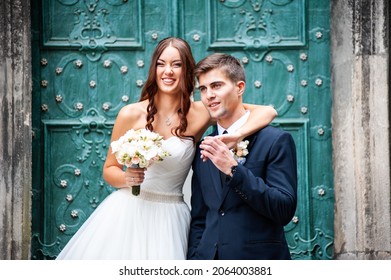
x=186, y=83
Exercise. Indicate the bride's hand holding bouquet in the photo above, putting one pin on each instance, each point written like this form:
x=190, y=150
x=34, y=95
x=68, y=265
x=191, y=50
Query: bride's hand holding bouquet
x=134, y=176
x=137, y=150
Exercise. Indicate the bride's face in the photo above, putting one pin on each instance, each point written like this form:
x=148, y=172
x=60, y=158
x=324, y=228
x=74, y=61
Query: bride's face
x=169, y=70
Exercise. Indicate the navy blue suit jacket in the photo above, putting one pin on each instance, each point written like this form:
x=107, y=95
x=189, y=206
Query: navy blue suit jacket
x=244, y=218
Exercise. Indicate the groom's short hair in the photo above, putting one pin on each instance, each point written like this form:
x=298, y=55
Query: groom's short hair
x=230, y=65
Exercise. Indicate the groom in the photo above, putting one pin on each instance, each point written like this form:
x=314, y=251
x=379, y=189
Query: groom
x=239, y=210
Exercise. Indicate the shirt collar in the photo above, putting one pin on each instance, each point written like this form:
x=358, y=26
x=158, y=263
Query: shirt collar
x=236, y=125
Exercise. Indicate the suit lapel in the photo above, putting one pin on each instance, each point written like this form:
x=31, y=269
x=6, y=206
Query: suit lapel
x=220, y=188
x=251, y=140
x=215, y=173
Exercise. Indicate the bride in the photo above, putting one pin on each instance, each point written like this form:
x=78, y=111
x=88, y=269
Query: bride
x=154, y=224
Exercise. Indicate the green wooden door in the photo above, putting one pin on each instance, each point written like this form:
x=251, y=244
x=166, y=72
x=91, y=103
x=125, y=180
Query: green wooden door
x=90, y=58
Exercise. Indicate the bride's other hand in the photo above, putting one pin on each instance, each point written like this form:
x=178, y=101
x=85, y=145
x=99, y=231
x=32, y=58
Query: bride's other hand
x=231, y=140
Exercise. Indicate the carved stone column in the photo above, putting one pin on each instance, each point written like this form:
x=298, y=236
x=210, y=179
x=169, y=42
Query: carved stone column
x=361, y=146
x=15, y=129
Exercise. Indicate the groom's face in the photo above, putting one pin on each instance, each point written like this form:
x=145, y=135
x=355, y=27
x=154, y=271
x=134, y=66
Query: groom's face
x=219, y=94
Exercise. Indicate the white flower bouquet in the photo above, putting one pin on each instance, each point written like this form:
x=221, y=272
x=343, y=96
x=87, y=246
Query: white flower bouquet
x=139, y=149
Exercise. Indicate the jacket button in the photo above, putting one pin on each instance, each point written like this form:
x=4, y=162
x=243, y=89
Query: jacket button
x=222, y=213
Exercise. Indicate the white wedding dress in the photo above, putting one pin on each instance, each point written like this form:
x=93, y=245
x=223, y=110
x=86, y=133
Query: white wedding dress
x=151, y=226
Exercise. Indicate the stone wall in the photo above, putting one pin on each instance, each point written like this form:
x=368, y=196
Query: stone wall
x=15, y=129
x=361, y=144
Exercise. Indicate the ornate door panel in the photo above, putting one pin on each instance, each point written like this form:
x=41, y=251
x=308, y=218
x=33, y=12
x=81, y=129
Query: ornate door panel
x=92, y=57
x=284, y=46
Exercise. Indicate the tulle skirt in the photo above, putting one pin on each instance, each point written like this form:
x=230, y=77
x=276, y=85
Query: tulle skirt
x=151, y=226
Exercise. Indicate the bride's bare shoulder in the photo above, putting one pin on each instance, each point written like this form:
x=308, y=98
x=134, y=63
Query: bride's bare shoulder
x=131, y=116
x=132, y=113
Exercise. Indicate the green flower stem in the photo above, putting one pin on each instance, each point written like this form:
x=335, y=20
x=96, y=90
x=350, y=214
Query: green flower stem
x=136, y=190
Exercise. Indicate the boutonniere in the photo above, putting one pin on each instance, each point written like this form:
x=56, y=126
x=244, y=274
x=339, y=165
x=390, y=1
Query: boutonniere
x=240, y=151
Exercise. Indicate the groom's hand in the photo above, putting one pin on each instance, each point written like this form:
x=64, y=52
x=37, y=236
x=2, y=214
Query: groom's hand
x=214, y=149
